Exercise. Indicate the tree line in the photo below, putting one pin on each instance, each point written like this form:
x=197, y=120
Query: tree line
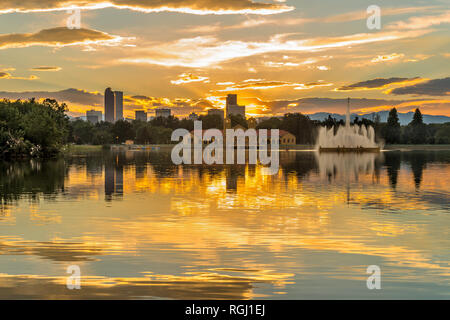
x=29, y=128
x=416, y=132
x=41, y=129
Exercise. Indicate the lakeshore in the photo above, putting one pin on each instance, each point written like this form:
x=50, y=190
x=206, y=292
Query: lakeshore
x=301, y=147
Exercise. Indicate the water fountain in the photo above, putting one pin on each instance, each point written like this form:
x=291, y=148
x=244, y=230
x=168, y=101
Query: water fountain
x=348, y=138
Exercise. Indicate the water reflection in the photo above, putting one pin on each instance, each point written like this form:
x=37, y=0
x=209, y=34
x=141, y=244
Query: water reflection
x=349, y=166
x=114, y=178
x=141, y=227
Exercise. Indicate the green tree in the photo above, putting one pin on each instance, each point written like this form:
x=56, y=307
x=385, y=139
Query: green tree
x=32, y=128
x=416, y=132
x=143, y=135
x=213, y=121
x=271, y=123
x=82, y=132
x=442, y=135
x=237, y=119
x=300, y=126
x=392, y=130
x=122, y=130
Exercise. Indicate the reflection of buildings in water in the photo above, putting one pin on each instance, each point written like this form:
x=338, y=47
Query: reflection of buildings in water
x=141, y=171
x=348, y=166
x=113, y=180
x=233, y=173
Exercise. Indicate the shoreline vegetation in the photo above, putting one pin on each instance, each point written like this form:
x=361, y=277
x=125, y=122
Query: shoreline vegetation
x=73, y=149
x=31, y=129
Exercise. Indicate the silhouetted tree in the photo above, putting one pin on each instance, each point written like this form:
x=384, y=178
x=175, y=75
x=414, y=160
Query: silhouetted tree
x=392, y=130
x=416, y=131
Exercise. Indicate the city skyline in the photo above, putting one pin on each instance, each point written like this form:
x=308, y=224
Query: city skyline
x=279, y=56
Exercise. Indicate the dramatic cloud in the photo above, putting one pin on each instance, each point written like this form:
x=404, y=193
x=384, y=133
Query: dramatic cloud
x=207, y=51
x=378, y=83
x=417, y=23
x=59, y=37
x=189, y=77
x=312, y=85
x=46, y=68
x=362, y=14
x=184, y=6
x=69, y=95
x=388, y=57
x=259, y=84
x=330, y=105
x=436, y=87
x=248, y=23
x=7, y=75
x=79, y=101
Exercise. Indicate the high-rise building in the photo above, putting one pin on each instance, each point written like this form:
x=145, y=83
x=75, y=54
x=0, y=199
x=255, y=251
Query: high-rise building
x=141, y=115
x=119, y=105
x=232, y=108
x=232, y=99
x=109, y=105
x=93, y=116
x=218, y=112
x=162, y=112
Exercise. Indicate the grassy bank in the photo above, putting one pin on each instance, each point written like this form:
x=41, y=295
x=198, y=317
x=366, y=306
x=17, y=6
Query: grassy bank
x=74, y=148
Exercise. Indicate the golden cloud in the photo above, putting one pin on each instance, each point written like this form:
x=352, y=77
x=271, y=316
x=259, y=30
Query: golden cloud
x=185, y=6
x=417, y=23
x=59, y=37
x=208, y=51
x=188, y=78
x=388, y=57
x=260, y=84
x=7, y=75
x=380, y=83
x=46, y=68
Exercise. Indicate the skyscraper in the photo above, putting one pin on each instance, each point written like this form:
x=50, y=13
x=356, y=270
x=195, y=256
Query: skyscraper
x=93, y=116
x=232, y=108
x=232, y=99
x=119, y=105
x=141, y=115
x=162, y=112
x=109, y=105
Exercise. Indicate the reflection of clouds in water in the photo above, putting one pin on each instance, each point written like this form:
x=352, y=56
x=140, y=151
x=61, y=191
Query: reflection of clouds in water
x=347, y=166
x=199, y=285
x=54, y=250
x=210, y=220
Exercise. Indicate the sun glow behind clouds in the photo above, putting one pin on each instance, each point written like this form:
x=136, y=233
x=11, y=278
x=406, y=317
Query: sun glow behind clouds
x=204, y=7
x=208, y=51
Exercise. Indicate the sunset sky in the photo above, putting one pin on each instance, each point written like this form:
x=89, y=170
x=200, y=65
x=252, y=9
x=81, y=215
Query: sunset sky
x=279, y=56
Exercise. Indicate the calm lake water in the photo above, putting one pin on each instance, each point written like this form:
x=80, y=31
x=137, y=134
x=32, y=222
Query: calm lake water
x=141, y=228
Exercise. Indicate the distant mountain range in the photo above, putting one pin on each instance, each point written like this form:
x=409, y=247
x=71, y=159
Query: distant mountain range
x=404, y=118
